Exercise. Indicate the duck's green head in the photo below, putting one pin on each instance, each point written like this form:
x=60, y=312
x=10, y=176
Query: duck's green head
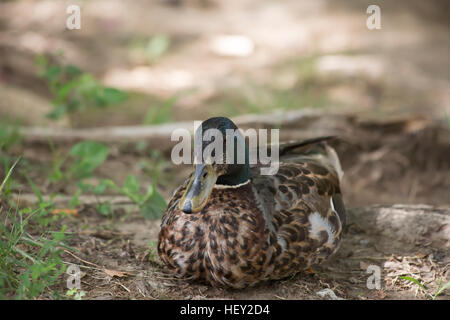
x=221, y=157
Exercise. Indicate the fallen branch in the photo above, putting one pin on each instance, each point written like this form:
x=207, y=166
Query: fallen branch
x=27, y=199
x=306, y=123
x=296, y=124
x=159, y=135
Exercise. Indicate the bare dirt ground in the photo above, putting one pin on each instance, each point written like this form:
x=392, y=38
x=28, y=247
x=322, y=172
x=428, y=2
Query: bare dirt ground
x=393, y=83
x=125, y=249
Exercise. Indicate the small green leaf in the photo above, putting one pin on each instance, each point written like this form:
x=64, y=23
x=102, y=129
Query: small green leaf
x=85, y=187
x=59, y=111
x=131, y=184
x=105, y=208
x=88, y=155
x=154, y=206
x=75, y=201
x=141, y=146
x=73, y=70
x=52, y=73
x=80, y=295
x=56, y=174
x=103, y=186
x=71, y=292
x=41, y=63
x=131, y=189
x=156, y=47
x=65, y=90
x=112, y=96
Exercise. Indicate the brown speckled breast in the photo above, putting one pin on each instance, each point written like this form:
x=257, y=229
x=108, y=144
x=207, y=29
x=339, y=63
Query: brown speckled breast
x=224, y=244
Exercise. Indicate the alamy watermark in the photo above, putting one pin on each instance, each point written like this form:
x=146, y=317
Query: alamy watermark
x=234, y=143
x=74, y=278
x=374, y=20
x=374, y=280
x=73, y=21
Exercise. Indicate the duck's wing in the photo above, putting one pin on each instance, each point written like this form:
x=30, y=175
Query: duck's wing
x=303, y=211
x=316, y=151
x=305, y=190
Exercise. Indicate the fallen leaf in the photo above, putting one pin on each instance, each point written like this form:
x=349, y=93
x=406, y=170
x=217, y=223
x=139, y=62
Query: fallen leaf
x=115, y=273
x=73, y=212
x=381, y=294
x=105, y=234
x=328, y=293
x=425, y=269
x=363, y=265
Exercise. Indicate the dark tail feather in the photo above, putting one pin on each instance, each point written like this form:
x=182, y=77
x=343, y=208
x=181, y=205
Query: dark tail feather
x=285, y=148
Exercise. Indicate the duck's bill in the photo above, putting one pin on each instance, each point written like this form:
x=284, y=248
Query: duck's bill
x=199, y=189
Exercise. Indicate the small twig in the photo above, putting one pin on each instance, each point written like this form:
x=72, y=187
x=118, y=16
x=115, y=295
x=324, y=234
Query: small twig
x=78, y=258
x=140, y=291
x=85, y=267
x=367, y=257
x=117, y=282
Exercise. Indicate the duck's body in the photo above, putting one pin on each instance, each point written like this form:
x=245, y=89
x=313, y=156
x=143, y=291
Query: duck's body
x=267, y=227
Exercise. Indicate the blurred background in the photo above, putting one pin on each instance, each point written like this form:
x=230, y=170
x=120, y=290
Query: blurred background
x=86, y=117
x=191, y=59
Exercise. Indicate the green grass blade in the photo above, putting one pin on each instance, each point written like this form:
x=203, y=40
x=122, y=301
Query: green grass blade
x=8, y=175
x=441, y=289
x=35, y=189
x=414, y=281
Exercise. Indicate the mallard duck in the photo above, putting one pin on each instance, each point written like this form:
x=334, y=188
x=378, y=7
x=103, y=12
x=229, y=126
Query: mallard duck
x=230, y=226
